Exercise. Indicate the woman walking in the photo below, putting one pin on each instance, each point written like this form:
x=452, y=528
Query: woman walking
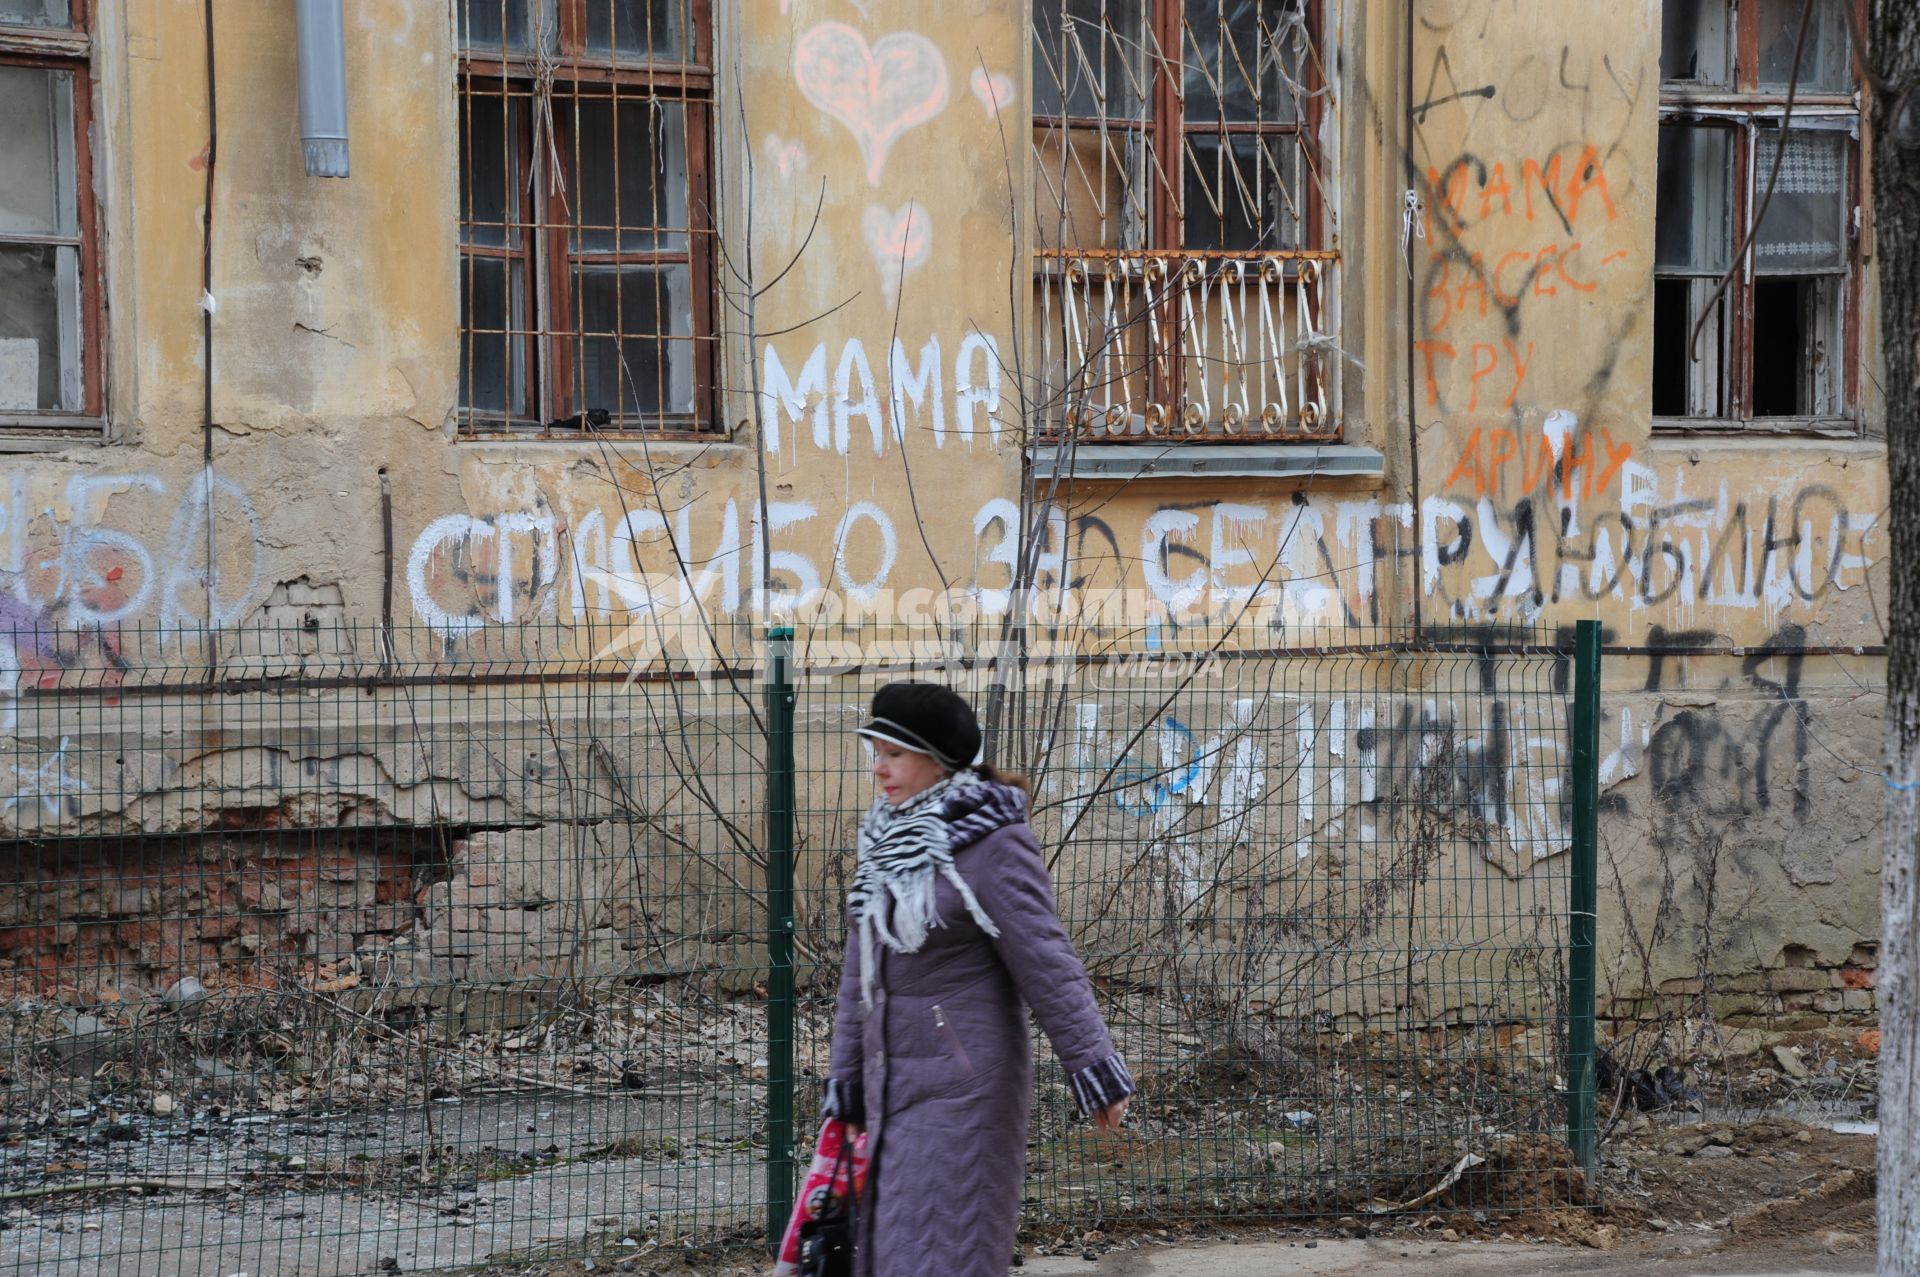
x=952, y=934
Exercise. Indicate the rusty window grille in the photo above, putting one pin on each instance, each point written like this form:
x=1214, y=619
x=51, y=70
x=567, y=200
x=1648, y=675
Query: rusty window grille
x=50, y=295
x=1183, y=223
x=586, y=231
x=1778, y=348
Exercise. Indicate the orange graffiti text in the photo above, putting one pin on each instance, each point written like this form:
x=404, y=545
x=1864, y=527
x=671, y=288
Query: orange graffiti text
x=1490, y=454
x=1554, y=185
x=1484, y=360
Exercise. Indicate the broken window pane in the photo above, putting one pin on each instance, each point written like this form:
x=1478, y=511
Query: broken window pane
x=639, y=29
x=1683, y=385
x=37, y=186
x=490, y=184
x=1089, y=59
x=627, y=176
x=37, y=13
x=1795, y=347
x=1242, y=60
x=634, y=356
x=1240, y=191
x=1805, y=227
x=493, y=375
x=39, y=328
x=1694, y=44
x=1774, y=345
x=1693, y=219
x=1669, y=348
x=1826, y=63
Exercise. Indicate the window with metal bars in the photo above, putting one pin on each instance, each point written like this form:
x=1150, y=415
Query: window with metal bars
x=1180, y=217
x=1174, y=124
x=586, y=229
x=50, y=294
x=1774, y=348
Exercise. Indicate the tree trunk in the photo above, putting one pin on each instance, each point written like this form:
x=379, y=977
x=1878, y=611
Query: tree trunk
x=1893, y=42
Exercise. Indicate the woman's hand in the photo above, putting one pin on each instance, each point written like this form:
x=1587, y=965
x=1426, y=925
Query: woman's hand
x=1107, y=1120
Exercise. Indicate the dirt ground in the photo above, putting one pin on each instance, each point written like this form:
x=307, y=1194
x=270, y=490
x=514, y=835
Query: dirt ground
x=1767, y=1196
x=561, y=1129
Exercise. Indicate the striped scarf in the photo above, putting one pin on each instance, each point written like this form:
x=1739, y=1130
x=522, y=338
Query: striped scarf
x=906, y=849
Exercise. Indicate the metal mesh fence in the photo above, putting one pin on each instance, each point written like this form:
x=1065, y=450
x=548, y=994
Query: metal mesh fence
x=1322, y=890
x=339, y=950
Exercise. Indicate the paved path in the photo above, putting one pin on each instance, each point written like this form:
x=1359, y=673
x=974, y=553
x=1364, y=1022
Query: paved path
x=1393, y=1257
x=579, y=1188
x=319, y=1234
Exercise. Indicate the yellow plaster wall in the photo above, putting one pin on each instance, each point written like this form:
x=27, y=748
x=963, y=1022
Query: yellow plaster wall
x=333, y=308
x=1543, y=495
x=1733, y=783
x=878, y=331
x=885, y=357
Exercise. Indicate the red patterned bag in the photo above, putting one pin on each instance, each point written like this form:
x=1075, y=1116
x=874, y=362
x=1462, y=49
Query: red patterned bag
x=819, y=1191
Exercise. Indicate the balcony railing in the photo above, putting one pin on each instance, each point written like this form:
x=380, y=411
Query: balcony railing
x=1202, y=347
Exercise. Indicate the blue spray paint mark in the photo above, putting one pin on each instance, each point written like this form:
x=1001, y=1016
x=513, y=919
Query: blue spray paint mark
x=1165, y=783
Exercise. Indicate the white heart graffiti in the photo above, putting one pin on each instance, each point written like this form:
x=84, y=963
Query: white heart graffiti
x=900, y=240
x=787, y=156
x=878, y=92
x=995, y=91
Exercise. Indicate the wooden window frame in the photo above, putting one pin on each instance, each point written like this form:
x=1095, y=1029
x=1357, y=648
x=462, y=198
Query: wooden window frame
x=1165, y=125
x=546, y=326
x=1753, y=115
x=1166, y=129
x=69, y=49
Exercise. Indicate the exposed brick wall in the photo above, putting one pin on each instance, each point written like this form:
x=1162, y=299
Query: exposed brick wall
x=588, y=900
x=124, y=919
x=1803, y=994
x=408, y=914
x=411, y=915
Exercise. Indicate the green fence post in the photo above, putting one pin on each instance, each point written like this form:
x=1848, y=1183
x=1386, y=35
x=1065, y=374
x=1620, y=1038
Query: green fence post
x=780, y=802
x=1584, y=894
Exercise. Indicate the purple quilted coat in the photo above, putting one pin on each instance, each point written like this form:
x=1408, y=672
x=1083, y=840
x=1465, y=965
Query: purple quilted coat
x=940, y=1067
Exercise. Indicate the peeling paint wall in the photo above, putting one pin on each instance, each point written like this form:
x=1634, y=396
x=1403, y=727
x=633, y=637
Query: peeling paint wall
x=1740, y=790
x=884, y=358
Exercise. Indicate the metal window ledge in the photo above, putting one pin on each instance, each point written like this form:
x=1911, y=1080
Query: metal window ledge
x=1130, y=461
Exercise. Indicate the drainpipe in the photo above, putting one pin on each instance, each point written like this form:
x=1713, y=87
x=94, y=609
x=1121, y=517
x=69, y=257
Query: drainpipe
x=323, y=86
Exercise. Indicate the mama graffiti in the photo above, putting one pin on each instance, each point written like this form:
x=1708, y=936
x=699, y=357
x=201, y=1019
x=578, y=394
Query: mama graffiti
x=914, y=392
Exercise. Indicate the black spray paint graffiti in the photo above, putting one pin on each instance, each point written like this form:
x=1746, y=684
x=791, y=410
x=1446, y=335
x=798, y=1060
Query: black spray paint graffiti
x=1436, y=761
x=1321, y=563
x=1794, y=550
x=1506, y=230
x=1700, y=762
x=1478, y=763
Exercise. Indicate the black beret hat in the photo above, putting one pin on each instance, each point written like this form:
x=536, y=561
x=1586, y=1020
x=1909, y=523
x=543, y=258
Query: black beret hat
x=928, y=719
